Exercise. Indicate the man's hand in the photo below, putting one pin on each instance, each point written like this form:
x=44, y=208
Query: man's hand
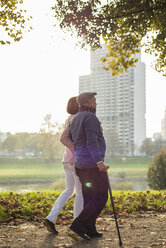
x=102, y=167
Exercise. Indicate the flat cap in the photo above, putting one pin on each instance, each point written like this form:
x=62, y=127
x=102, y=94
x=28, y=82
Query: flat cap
x=85, y=97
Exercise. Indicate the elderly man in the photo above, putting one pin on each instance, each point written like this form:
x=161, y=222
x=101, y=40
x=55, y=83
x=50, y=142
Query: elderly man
x=89, y=152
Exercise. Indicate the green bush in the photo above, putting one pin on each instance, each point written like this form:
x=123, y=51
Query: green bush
x=59, y=184
x=157, y=172
x=37, y=205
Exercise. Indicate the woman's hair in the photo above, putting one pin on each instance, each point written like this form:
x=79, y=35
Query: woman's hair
x=72, y=106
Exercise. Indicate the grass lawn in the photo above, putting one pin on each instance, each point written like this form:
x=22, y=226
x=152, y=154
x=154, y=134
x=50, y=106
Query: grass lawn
x=29, y=172
x=128, y=169
x=131, y=167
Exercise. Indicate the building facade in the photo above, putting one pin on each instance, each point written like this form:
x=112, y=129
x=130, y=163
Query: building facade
x=121, y=102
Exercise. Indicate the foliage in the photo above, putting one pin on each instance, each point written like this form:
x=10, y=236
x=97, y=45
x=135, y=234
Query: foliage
x=112, y=143
x=147, y=147
x=11, y=143
x=49, y=138
x=37, y=205
x=13, y=20
x=150, y=146
x=26, y=142
x=123, y=24
x=157, y=172
x=159, y=144
x=44, y=143
x=3, y=136
x=59, y=184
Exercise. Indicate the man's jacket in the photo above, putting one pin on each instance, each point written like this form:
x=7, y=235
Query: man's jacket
x=88, y=139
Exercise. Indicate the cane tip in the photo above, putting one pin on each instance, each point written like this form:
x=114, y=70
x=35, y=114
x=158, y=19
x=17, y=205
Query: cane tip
x=120, y=244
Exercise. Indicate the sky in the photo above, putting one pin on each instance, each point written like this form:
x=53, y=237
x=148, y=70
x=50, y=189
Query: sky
x=40, y=73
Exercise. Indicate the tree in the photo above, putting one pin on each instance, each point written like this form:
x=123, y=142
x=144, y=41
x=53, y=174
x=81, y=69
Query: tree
x=159, y=144
x=11, y=143
x=122, y=24
x=28, y=142
x=32, y=143
x=13, y=20
x=147, y=147
x=49, y=139
x=112, y=143
x=157, y=172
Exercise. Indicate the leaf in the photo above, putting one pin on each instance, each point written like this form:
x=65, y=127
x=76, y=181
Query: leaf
x=122, y=25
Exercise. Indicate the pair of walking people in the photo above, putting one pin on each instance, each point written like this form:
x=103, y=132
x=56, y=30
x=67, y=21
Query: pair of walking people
x=84, y=167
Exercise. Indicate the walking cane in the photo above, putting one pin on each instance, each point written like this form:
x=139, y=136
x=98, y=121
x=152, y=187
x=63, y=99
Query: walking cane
x=112, y=201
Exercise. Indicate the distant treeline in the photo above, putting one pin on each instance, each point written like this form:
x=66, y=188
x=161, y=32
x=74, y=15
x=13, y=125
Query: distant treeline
x=43, y=144
x=46, y=143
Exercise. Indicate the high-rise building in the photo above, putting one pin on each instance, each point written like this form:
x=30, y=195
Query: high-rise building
x=163, y=127
x=121, y=102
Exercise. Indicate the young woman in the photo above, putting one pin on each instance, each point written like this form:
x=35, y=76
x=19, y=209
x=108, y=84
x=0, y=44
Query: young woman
x=72, y=181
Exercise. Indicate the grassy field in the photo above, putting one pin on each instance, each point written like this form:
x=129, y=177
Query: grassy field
x=23, y=169
x=30, y=171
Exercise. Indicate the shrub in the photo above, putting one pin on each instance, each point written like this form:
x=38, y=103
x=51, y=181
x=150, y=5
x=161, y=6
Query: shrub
x=157, y=172
x=59, y=184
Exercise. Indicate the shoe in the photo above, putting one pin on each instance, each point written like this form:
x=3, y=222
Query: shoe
x=50, y=226
x=95, y=235
x=79, y=233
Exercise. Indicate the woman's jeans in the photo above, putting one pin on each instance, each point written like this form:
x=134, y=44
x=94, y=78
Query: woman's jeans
x=72, y=183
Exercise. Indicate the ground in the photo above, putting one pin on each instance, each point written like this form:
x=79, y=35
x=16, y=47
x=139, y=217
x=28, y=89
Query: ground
x=140, y=230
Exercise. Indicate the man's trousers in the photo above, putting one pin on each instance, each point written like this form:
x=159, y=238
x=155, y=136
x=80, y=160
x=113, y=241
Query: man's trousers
x=95, y=195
